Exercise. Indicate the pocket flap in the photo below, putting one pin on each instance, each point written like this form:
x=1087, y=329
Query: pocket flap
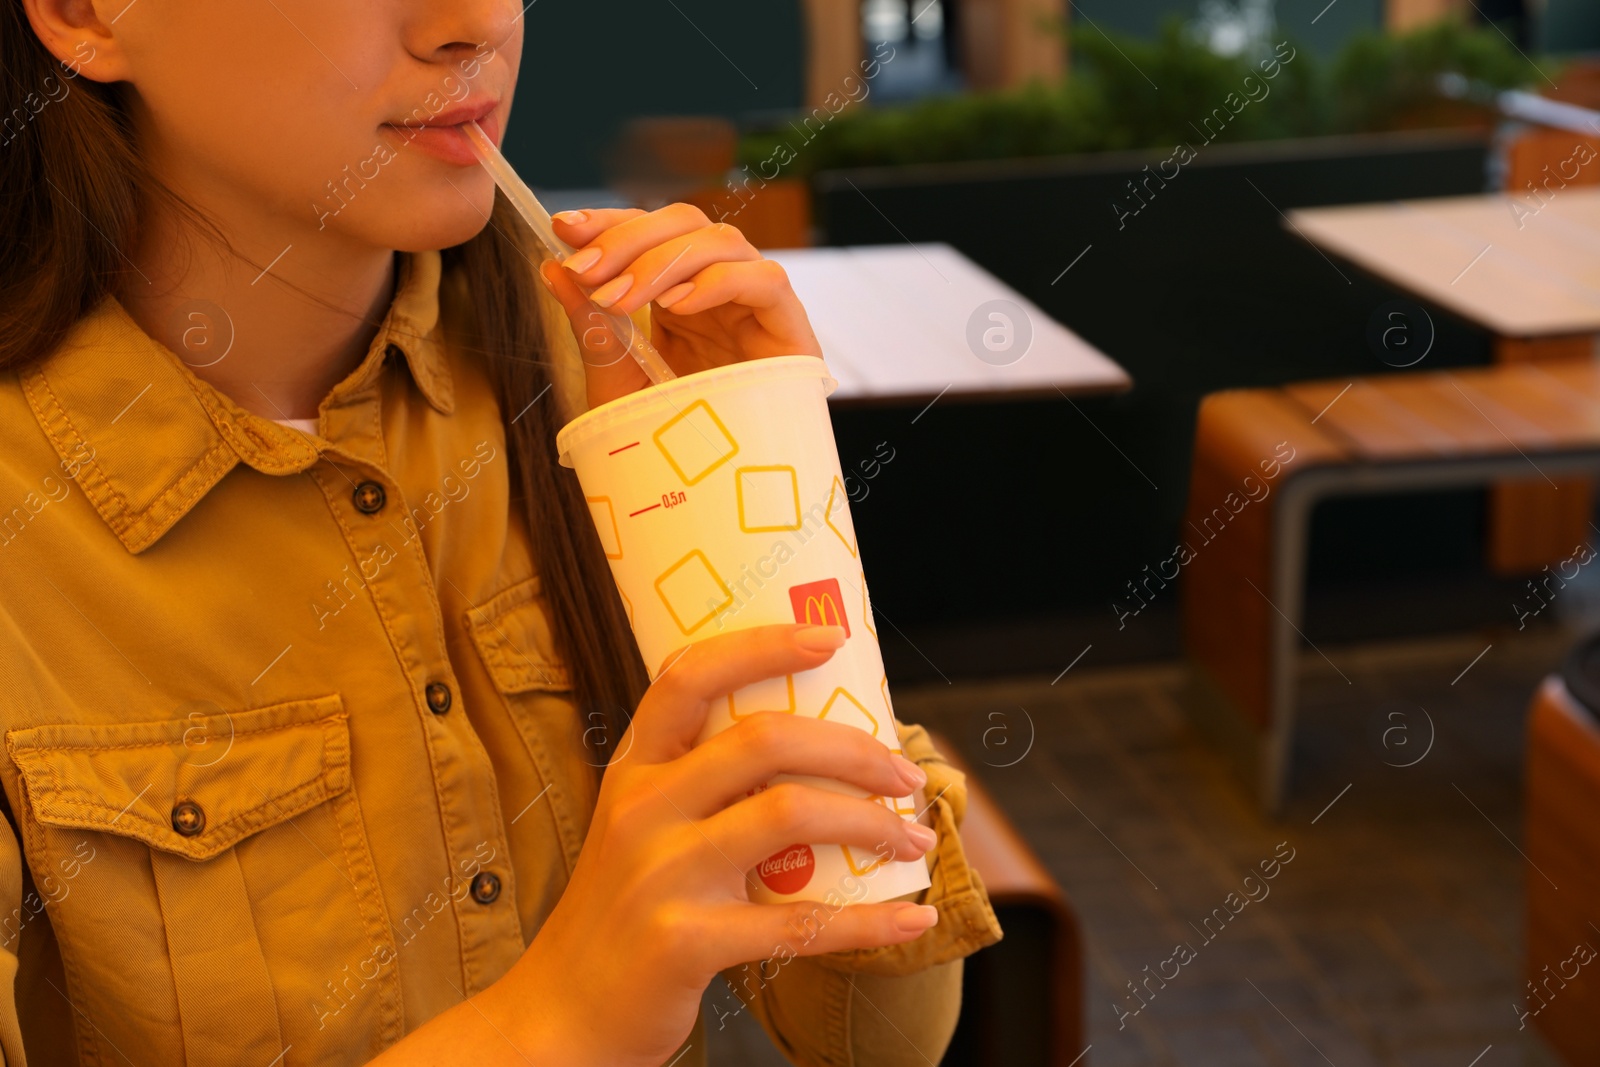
x=222, y=775
x=515, y=639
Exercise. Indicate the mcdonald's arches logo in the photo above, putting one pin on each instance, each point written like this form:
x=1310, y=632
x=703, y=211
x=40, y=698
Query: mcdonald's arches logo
x=819, y=604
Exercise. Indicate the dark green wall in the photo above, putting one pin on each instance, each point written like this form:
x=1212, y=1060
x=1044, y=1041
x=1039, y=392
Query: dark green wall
x=1340, y=22
x=1569, y=26
x=589, y=64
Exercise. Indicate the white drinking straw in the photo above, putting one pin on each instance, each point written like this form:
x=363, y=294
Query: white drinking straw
x=621, y=326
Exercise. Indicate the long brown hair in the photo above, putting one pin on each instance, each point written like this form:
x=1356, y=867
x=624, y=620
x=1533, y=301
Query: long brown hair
x=72, y=189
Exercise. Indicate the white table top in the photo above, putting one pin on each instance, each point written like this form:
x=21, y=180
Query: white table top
x=893, y=323
x=1501, y=261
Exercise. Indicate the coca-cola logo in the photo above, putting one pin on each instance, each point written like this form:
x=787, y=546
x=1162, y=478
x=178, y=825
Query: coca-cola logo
x=788, y=871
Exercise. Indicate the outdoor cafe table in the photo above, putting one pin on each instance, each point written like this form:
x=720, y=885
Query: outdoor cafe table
x=1525, y=269
x=903, y=324
x=1529, y=274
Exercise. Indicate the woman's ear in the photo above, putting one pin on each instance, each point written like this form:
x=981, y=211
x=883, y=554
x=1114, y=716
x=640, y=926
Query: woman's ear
x=74, y=32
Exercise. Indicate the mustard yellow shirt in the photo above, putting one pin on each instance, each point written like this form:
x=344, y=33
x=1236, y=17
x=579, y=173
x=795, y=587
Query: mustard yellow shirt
x=290, y=763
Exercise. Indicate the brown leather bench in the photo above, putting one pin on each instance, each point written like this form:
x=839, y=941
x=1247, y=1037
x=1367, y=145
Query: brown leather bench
x=1022, y=997
x=1562, y=840
x=1263, y=459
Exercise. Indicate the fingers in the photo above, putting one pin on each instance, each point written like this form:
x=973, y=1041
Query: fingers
x=674, y=708
x=676, y=259
x=807, y=928
x=661, y=269
x=611, y=250
x=609, y=372
x=775, y=818
x=581, y=229
x=600, y=344
x=769, y=935
x=565, y=287
x=728, y=766
x=578, y=228
x=759, y=284
x=766, y=936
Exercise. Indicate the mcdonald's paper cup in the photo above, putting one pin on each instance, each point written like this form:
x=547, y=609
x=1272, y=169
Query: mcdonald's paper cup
x=721, y=505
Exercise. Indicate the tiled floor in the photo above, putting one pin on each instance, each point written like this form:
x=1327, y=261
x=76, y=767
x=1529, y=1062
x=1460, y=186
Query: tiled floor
x=1391, y=937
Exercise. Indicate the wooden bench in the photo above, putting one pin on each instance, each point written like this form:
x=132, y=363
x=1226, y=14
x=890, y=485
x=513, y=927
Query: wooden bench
x=1519, y=264
x=1249, y=510
x=1562, y=839
x=1022, y=997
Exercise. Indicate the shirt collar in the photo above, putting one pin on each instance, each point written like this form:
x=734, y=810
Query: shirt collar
x=145, y=438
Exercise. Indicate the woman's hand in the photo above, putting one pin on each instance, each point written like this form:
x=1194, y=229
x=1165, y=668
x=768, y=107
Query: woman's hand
x=717, y=301
x=658, y=905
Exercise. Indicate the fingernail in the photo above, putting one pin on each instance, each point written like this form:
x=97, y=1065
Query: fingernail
x=913, y=775
x=612, y=291
x=916, y=917
x=819, y=638
x=924, y=837
x=572, y=218
x=545, y=278
x=579, y=262
x=675, y=294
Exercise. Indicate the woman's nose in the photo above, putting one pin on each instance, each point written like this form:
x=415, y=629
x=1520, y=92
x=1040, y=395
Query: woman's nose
x=440, y=30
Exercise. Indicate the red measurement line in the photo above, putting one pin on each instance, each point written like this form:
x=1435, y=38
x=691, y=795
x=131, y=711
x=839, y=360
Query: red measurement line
x=641, y=511
x=624, y=448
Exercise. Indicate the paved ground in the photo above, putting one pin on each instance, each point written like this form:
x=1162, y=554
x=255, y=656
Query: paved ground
x=1393, y=935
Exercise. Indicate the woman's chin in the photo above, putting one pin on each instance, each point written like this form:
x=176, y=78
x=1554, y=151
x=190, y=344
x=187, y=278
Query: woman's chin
x=414, y=205
x=426, y=227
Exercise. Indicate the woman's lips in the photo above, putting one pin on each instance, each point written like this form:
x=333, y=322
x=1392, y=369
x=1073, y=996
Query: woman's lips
x=446, y=142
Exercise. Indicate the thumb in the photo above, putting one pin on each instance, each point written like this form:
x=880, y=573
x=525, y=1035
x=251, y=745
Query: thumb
x=608, y=370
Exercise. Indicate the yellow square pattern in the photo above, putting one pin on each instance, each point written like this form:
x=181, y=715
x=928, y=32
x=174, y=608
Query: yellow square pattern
x=769, y=694
x=858, y=869
x=693, y=592
x=769, y=498
x=846, y=708
x=893, y=804
x=605, y=524
x=695, y=442
x=838, y=515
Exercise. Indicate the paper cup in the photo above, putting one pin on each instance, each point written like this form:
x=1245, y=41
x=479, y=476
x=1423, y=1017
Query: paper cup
x=721, y=505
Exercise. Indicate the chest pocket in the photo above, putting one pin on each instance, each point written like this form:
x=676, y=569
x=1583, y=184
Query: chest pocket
x=514, y=636
x=227, y=876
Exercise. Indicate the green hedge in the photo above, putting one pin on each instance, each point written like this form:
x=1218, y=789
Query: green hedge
x=1377, y=82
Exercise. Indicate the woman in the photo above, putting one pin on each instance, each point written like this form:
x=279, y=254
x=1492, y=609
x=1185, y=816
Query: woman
x=314, y=659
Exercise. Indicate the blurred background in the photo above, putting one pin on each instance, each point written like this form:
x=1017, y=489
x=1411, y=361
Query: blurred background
x=1231, y=231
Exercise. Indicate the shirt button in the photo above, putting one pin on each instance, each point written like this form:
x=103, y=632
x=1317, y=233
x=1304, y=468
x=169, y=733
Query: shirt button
x=369, y=498
x=486, y=887
x=188, y=819
x=439, y=697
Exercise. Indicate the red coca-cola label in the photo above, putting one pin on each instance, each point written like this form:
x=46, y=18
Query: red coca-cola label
x=788, y=871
